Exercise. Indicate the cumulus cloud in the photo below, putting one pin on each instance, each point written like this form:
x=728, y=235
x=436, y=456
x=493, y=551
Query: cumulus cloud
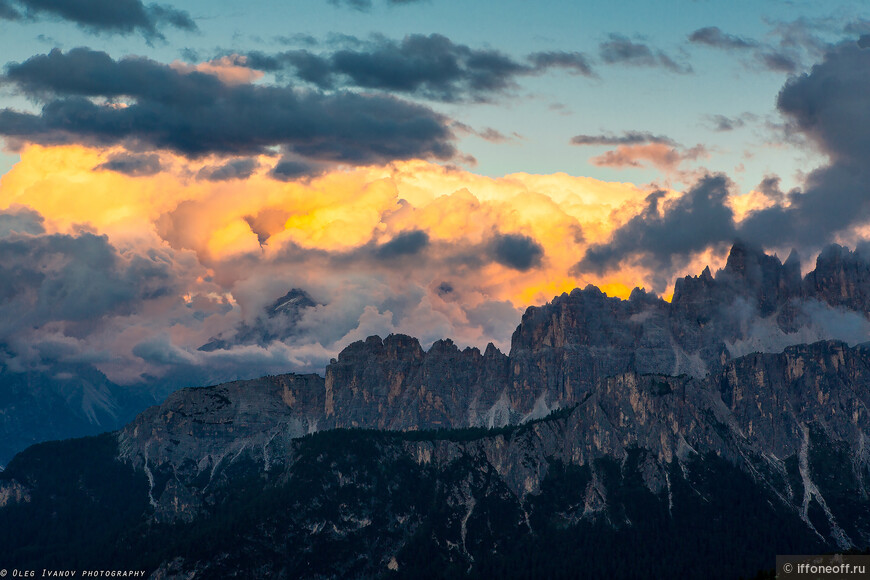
x=619, y=49
x=132, y=164
x=102, y=16
x=157, y=273
x=668, y=232
x=516, y=251
x=22, y=220
x=431, y=66
x=828, y=106
x=196, y=114
x=232, y=169
x=831, y=106
x=73, y=279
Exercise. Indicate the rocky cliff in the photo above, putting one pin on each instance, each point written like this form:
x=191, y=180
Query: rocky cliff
x=564, y=348
x=716, y=423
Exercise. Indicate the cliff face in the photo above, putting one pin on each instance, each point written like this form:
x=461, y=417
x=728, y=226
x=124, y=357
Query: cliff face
x=767, y=456
x=558, y=352
x=611, y=425
x=760, y=413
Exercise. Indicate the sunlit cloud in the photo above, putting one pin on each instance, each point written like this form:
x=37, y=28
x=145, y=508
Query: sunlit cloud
x=410, y=247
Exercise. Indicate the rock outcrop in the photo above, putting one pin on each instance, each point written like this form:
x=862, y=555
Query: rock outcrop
x=719, y=422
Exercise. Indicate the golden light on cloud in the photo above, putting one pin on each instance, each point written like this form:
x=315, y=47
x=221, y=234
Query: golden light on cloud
x=408, y=247
x=338, y=212
x=230, y=69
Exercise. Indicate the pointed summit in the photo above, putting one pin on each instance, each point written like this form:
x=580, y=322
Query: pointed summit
x=743, y=258
x=793, y=259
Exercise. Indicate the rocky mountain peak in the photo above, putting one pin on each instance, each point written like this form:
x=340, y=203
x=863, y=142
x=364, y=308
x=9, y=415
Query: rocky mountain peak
x=291, y=304
x=619, y=419
x=841, y=278
x=276, y=322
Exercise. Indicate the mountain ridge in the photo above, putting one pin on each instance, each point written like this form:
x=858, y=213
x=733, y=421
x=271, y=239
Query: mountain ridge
x=610, y=422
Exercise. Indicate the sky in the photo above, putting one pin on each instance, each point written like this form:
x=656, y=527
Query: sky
x=430, y=167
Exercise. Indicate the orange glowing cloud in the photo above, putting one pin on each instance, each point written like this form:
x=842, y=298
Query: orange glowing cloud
x=661, y=155
x=231, y=69
x=410, y=247
x=336, y=212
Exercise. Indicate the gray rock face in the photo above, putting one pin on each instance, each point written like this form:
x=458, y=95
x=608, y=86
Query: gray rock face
x=563, y=349
x=795, y=422
x=560, y=353
x=197, y=433
x=394, y=384
x=841, y=278
x=754, y=304
x=655, y=402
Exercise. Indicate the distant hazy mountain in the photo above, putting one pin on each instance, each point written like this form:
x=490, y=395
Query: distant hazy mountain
x=62, y=400
x=701, y=436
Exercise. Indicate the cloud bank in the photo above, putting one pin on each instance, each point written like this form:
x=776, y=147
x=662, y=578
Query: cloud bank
x=92, y=99
x=102, y=16
x=136, y=283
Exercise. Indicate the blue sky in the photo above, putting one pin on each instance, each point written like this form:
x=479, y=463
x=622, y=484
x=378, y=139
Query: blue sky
x=543, y=111
x=430, y=167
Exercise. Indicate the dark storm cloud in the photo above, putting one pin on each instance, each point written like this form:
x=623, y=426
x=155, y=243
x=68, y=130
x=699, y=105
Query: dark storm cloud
x=627, y=138
x=102, y=16
x=769, y=186
x=7, y=12
x=404, y=244
x=444, y=288
x=196, y=114
x=132, y=164
x=82, y=278
x=431, y=66
x=621, y=50
x=830, y=105
x=516, y=251
x=288, y=170
x=665, y=233
x=233, y=169
x=21, y=220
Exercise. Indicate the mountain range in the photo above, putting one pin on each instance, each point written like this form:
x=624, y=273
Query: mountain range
x=702, y=436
